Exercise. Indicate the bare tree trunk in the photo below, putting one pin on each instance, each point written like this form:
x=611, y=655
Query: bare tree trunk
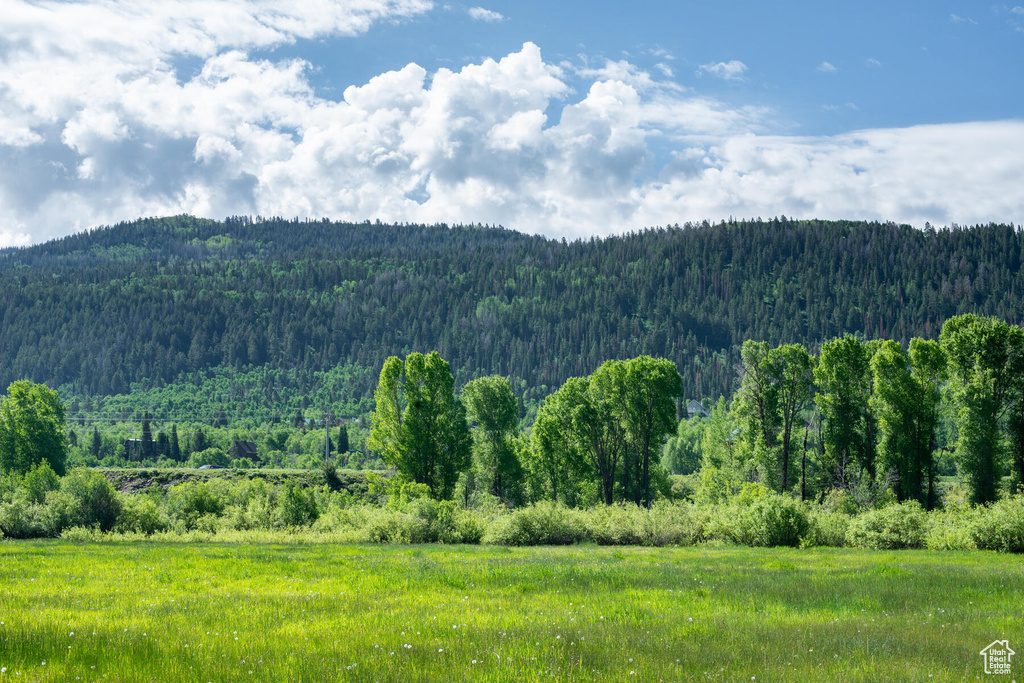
x=803, y=465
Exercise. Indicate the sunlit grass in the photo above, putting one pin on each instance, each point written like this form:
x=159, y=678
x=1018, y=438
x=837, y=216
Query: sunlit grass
x=223, y=612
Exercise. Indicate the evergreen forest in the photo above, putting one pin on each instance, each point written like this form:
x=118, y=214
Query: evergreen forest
x=262, y=318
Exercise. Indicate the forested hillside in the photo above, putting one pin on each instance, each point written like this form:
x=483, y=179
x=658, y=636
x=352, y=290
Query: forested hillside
x=268, y=310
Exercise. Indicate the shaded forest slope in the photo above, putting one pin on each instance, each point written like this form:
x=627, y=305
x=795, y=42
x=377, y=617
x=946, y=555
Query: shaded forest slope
x=159, y=301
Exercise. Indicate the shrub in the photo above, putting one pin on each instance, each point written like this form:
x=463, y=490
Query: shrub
x=539, y=524
x=890, y=528
x=39, y=481
x=260, y=511
x=951, y=528
x=1000, y=526
x=684, y=487
x=140, y=515
x=98, y=502
x=469, y=527
x=391, y=526
x=827, y=528
x=840, y=500
x=330, y=471
x=22, y=519
x=62, y=511
x=618, y=525
x=298, y=507
x=664, y=523
x=188, y=502
x=772, y=521
x=755, y=517
x=81, y=534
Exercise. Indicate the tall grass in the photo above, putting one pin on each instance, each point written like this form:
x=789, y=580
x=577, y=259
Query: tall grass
x=132, y=611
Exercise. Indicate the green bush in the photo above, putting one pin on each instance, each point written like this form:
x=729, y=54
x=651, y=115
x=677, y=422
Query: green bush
x=259, y=511
x=81, y=534
x=755, y=517
x=539, y=524
x=663, y=524
x=391, y=526
x=298, y=507
x=211, y=456
x=188, y=502
x=140, y=515
x=827, y=528
x=841, y=500
x=39, y=481
x=62, y=511
x=618, y=525
x=1000, y=526
x=99, y=504
x=890, y=528
x=22, y=519
x=770, y=521
x=951, y=528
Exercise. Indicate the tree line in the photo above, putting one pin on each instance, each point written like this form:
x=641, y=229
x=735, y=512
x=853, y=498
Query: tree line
x=875, y=409
x=859, y=414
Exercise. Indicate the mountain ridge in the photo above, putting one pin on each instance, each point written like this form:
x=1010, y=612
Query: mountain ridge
x=158, y=300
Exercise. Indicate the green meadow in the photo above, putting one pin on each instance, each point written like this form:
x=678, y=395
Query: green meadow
x=141, y=611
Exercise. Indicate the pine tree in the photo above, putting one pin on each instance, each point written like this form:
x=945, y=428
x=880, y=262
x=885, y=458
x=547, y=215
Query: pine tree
x=199, y=442
x=342, y=439
x=175, y=453
x=147, y=438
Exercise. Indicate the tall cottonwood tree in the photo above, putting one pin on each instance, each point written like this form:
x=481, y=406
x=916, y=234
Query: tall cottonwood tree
x=986, y=359
x=794, y=368
x=610, y=425
x=757, y=403
x=843, y=376
x=775, y=387
x=419, y=427
x=559, y=462
x=651, y=386
x=491, y=404
x=905, y=401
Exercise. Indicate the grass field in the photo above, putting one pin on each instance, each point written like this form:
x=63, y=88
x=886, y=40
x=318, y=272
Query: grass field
x=224, y=612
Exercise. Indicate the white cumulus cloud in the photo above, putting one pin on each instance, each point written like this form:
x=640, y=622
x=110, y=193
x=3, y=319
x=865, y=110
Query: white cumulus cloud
x=98, y=125
x=732, y=70
x=481, y=14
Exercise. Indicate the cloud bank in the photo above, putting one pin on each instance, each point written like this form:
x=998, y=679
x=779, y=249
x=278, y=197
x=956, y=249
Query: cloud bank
x=110, y=111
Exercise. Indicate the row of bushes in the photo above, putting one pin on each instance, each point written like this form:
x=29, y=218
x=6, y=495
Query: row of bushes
x=769, y=521
x=41, y=504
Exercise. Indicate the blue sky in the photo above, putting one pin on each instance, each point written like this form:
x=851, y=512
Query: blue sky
x=565, y=118
x=898, y=64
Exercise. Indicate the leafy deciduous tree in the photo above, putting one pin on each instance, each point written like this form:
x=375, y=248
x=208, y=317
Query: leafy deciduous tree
x=428, y=440
x=906, y=404
x=985, y=359
x=844, y=384
x=492, y=406
x=31, y=428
